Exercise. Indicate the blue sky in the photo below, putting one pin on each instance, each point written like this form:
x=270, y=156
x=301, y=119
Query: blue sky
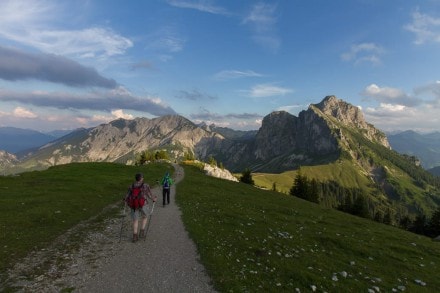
x=70, y=64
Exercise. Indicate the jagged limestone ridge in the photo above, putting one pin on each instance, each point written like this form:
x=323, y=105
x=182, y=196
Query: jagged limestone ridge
x=350, y=116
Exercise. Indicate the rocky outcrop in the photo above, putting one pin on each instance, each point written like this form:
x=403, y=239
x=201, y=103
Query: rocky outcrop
x=7, y=160
x=217, y=172
x=276, y=135
x=351, y=116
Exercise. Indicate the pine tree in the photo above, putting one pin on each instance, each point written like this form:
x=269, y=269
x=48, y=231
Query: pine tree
x=313, y=191
x=300, y=186
x=434, y=224
x=360, y=207
x=388, y=219
x=246, y=177
x=419, y=225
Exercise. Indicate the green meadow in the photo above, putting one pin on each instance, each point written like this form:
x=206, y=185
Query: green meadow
x=250, y=240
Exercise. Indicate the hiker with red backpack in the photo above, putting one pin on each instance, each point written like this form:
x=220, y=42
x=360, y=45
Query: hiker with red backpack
x=137, y=199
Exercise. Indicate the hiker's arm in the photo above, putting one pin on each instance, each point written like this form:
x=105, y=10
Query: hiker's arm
x=126, y=195
x=150, y=194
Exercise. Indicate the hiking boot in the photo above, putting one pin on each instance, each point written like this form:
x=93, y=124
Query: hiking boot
x=142, y=233
x=135, y=238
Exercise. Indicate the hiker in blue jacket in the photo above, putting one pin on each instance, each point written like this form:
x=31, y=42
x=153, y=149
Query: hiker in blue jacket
x=166, y=188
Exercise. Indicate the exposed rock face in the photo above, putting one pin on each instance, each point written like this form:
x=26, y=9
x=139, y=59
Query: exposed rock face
x=299, y=140
x=352, y=116
x=342, y=111
x=217, y=172
x=7, y=160
x=276, y=136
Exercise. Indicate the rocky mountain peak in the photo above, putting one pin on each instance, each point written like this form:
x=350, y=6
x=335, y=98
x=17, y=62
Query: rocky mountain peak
x=342, y=111
x=351, y=116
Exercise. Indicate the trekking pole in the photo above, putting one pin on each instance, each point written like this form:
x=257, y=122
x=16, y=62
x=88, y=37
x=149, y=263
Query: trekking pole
x=149, y=221
x=122, y=223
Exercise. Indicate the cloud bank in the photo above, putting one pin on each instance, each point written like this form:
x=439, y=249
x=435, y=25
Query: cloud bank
x=98, y=101
x=19, y=65
x=398, y=110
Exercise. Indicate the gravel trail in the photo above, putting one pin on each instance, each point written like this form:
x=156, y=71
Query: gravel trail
x=167, y=261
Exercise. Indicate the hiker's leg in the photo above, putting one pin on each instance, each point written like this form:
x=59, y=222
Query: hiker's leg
x=135, y=218
x=144, y=213
x=135, y=226
x=164, y=193
x=144, y=223
x=168, y=195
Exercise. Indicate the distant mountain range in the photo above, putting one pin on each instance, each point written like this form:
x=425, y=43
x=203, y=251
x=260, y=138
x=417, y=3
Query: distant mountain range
x=426, y=147
x=327, y=135
x=15, y=140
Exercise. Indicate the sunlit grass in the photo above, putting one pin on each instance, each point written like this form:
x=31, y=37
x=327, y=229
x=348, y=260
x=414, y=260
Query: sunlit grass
x=251, y=240
x=341, y=171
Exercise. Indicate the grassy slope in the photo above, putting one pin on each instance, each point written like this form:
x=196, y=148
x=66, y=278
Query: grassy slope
x=37, y=207
x=253, y=240
x=342, y=171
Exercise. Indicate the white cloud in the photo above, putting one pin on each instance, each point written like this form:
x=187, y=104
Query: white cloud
x=364, y=53
x=120, y=114
x=165, y=42
x=261, y=17
x=171, y=44
x=235, y=74
x=57, y=119
x=262, y=20
x=397, y=110
x=293, y=109
x=432, y=89
x=98, y=118
x=397, y=117
x=426, y=28
x=21, y=112
x=267, y=90
x=388, y=95
x=25, y=12
x=201, y=5
x=29, y=22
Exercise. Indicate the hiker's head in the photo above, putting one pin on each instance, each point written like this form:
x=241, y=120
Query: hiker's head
x=167, y=174
x=139, y=176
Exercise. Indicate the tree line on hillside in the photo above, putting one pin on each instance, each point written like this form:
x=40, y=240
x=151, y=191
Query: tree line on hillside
x=151, y=156
x=406, y=163
x=354, y=201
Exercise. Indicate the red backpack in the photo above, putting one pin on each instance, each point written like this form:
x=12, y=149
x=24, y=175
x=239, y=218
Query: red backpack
x=135, y=200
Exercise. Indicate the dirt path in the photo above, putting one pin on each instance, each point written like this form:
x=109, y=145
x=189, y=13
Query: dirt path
x=167, y=261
